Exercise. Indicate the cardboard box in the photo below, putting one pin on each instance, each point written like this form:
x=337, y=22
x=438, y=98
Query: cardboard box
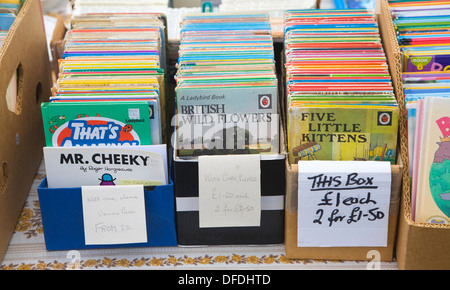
x=418, y=245
x=62, y=218
x=337, y=253
x=57, y=44
x=421, y=246
x=398, y=170
x=25, y=53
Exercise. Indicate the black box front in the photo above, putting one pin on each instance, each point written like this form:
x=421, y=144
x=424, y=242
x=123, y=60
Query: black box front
x=271, y=229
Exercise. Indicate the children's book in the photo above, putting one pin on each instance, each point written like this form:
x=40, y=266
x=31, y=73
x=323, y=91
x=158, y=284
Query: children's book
x=106, y=166
x=227, y=87
x=96, y=123
x=433, y=187
x=342, y=133
x=416, y=154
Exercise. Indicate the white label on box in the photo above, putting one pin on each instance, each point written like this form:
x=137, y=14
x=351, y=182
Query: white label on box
x=114, y=214
x=108, y=165
x=229, y=191
x=343, y=203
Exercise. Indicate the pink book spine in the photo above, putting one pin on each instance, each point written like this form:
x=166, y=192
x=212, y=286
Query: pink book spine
x=417, y=146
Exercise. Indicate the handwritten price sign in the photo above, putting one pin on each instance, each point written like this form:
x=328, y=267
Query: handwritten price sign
x=343, y=203
x=229, y=191
x=114, y=214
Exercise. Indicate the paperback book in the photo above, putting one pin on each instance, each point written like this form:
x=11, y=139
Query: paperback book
x=344, y=133
x=105, y=166
x=96, y=124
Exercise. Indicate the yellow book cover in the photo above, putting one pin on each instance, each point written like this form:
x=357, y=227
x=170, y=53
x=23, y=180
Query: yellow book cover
x=342, y=133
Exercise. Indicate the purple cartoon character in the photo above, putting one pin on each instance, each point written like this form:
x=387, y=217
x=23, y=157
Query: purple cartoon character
x=107, y=179
x=443, y=153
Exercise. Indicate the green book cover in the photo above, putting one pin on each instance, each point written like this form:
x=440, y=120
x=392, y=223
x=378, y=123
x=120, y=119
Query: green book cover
x=342, y=133
x=96, y=124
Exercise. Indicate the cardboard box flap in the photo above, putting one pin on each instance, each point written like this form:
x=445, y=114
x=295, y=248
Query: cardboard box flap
x=25, y=52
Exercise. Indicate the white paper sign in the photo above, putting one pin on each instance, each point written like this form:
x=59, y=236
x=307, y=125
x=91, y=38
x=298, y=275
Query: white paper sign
x=343, y=203
x=229, y=191
x=114, y=214
x=108, y=165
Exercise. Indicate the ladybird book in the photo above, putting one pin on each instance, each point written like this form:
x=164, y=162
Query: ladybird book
x=96, y=124
x=347, y=132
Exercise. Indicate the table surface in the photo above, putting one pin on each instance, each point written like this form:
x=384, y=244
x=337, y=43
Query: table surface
x=27, y=248
x=27, y=251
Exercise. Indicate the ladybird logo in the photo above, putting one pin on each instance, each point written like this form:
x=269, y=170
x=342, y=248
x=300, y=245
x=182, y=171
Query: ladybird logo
x=265, y=101
x=95, y=131
x=384, y=118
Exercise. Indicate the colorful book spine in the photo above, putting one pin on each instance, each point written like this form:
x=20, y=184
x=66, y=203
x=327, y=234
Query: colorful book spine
x=227, y=88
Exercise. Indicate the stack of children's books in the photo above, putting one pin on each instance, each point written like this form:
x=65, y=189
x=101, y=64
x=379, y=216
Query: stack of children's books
x=423, y=33
x=103, y=122
x=339, y=97
x=227, y=88
x=12, y=6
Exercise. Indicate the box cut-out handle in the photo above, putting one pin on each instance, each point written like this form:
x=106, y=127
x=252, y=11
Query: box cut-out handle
x=4, y=172
x=14, y=92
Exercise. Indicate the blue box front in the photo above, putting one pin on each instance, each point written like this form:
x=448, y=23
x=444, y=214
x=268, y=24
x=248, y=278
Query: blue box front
x=62, y=218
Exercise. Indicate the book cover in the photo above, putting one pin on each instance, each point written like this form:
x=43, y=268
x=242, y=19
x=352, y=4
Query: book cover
x=433, y=188
x=153, y=107
x=96, y=124
x=232, y=120
x=342, y=133
x=435, y=63
x=106, y=166
x=6, y=20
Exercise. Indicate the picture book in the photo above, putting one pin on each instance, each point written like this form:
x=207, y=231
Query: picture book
x=106, y=166
x=227, y=120
x=342, y=133
x=340, y=102
x=226, y=86
x=433, y=180
x=96, y=123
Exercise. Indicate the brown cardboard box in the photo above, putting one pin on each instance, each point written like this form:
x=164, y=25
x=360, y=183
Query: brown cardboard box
x=25, y=52
x=355, y=253
x=418, y=246
x=57, y=44
x=337, y=253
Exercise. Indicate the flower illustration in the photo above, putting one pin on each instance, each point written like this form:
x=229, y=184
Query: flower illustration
x=156, y=262
x=107, y=262
x=91, y=263
x=123, y=263
x=220, y=259
x=205, y=260
x=253, y=259
x=236, y=258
